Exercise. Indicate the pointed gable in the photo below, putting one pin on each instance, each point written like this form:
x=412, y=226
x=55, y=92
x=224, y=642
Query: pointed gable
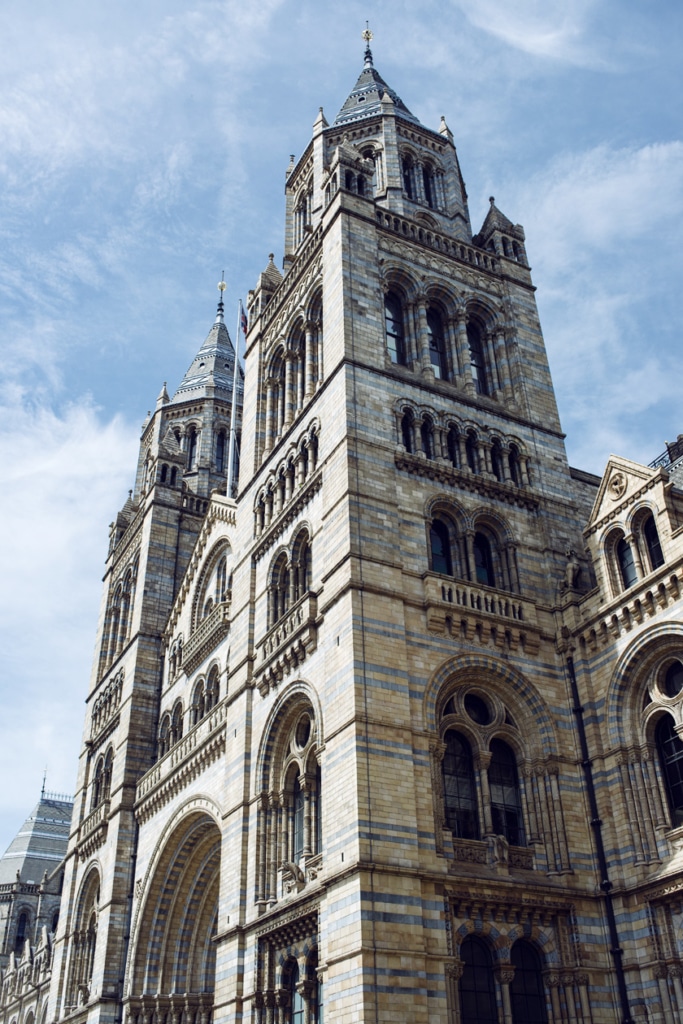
x=622, y=482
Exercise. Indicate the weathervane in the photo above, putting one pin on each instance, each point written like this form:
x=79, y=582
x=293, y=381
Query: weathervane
x=367, y=36
x=221, y=288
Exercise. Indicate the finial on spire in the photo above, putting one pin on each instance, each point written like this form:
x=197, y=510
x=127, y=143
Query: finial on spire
x=42, y=792
x=492, y=200
x=221, y=288
x=367, y=36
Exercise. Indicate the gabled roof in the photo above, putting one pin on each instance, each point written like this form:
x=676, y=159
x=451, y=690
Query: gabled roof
x=495, y=219
x=622, y=482
x=365, y=99
x=211, y=370
x=40, y=843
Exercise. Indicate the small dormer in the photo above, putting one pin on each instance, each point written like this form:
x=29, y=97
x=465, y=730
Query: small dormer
x=636, y=515
x=500, y=236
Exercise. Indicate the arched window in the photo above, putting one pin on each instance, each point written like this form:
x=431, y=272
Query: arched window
x=280, y=589
x=437, y=353
x=22, y=931
x=483, y=560
x=440, y=548
x=164, y=735
x=106, y=774
x=164, y=473
x=212, y=689
x=460, y=795
x=55, y=921
x=393, y=321
x=497, y=460
x=654, y=548
x=471, y=451
x=477, y=359
x=526, y=990
x=428, y=181
x=506, y=802
x=296, y=999
x=198, y=703
x=670, y=750
x=220, y=451
x=97, y=784
x=513, y=462
x=453, y=446
x=177, y=723
x=221, y=575
x=627, y=567
x=673, y=679
x=192, y=448
x=407, y=169
x=298, y=806
x=427, y=437
x=477, y=994
x=407, y=430
x=174, y=476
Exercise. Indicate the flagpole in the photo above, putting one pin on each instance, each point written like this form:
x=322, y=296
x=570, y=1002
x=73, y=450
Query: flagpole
x=233, y=410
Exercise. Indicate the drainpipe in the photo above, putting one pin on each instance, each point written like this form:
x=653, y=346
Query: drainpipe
x=596, y=824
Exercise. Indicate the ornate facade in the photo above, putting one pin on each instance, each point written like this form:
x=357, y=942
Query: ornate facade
x=394, y=733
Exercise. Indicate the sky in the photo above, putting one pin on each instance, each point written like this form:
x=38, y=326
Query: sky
x=143, y=149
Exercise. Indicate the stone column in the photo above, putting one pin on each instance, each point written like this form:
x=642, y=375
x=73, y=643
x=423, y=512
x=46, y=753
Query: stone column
x=305, y=782
x=423, y=339
x=506, y=973
x=637, y=560
x=469, y=548
x=502, y=361
x=482, y=761
x=491, y=360
x=289, y=389
x=451, y=339
x=269, y=416
x=308, y=390
x=319, y=328
x=464, y=354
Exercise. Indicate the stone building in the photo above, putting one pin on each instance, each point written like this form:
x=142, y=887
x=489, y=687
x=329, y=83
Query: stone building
x=392, y=735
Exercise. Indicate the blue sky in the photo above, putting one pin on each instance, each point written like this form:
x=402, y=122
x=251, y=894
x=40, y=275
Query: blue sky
x=143, y=148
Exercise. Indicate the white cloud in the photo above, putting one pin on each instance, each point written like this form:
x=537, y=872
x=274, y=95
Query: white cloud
x=554, y=31
x=64, y=476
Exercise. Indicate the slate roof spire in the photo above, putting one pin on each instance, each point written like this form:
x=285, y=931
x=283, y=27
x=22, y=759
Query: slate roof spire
x=211, y=371
x=365, y=99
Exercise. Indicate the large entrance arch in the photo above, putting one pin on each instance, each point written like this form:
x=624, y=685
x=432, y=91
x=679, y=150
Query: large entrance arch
x=174, y=959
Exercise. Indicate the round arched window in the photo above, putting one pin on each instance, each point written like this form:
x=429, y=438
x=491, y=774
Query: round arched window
x=477, y=708
x=672, y=683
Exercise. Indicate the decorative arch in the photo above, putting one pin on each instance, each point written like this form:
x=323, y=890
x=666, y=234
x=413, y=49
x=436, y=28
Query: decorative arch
x=84, y=939
x=172, y=952
x=212, y=582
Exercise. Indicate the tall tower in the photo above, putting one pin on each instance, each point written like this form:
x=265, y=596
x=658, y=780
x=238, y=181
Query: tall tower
x=182, y=461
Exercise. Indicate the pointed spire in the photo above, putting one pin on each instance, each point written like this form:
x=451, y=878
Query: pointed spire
x=367, y=36
x=211, y=370
x=445, y=130
x=163, y=396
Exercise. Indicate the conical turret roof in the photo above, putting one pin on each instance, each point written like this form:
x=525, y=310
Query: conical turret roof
x=365, y=99
x=40, y=843
x=211, y=371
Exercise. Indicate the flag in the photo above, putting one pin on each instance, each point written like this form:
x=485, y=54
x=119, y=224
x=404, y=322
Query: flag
x=243, y=320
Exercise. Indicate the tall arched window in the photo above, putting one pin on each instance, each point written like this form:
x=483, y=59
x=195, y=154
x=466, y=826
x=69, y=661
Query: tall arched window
x=427, y=436
x=22, y=931
x=483, y=560
x=440, y=548
x=471, y=451
x=428, y=182
x=298, y=803
x=437, y=348
x=211, y=692
x=393, y=321
x=527, y=998
x=220, y=451
x=627, y=567
x=407, y=431
x=460, y=796
x=514, y=464
x=198, y=703
x=654, y=548
x=506, y=801
x=280, y=589
x=477, y=994
x=408, y=186
x=453, y=446
x=296, y=999
x=164, y=735
x=177, y=724
x=192, y=448
x=477, y=359
x=670, y=750
x=497, y=460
